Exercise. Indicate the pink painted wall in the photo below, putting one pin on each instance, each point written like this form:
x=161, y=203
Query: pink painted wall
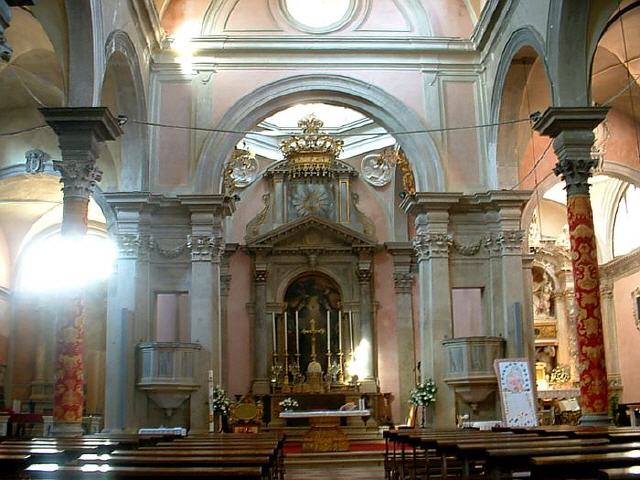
x=467, y=312
x=463, y=165
x=385, y=325
x=239, y=355
x=173, y=153
x=628, y=337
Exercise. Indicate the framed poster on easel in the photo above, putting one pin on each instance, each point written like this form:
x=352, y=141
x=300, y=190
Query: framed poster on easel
x=516, y=392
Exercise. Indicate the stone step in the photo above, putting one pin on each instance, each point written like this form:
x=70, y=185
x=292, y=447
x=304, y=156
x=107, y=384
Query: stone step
x=354, y=434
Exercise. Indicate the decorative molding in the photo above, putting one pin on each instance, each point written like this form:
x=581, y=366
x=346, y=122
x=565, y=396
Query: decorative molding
x=403, y=282
x=260, y=276
x=507, y=242
x=204, y=248
x=622, y=266
x=36, y=160
x=128, y=245
x=466, y=250
x=575, y=173
x=431, y=245
x=635, y=298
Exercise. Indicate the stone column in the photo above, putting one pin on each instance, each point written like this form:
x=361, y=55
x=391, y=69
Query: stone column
x=80, y=132
x=261, y=339
x=403, y=283
x=225, y=284
x=610, y=332
x=364, y=271
x=206, y=246
x=572, y=131
x=431, y=244
x=127, y=312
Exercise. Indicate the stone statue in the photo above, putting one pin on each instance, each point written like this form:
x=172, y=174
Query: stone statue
x=542, y=291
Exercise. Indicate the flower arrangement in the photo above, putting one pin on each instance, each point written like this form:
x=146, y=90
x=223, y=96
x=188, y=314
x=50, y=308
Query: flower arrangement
x=221, y=402
x=424, y=394
x=560, y=375
x=289, y=403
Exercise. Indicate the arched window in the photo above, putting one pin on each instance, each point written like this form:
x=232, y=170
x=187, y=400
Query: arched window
x=318, y=16
x=625, y=227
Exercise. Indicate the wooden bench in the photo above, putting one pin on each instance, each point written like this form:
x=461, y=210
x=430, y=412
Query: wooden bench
x=71, y=472
x=580, y=465
x=620, y=473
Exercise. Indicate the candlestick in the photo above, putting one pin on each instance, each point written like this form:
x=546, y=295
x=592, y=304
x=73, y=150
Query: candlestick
x=275, y=345
x=297, y=335
x=339, y=331
x=286, y=347
x=328, y=333
x=351, y=329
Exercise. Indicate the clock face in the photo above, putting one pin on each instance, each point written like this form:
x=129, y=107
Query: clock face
x=311, y=199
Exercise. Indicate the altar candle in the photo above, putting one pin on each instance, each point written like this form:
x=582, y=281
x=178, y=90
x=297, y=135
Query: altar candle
x=297, y=335
x=285, y=333
x=351, y=329
x=340, y=330
x=273, y=317
x=328, y=333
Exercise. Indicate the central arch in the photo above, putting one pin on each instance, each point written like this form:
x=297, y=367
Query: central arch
x=372, y=101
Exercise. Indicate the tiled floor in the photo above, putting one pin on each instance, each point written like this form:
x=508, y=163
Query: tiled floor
x=335, y=473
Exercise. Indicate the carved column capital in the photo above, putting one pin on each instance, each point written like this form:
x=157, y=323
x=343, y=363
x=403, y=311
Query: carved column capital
x=205, y=248
x=129, y=245
x=431, y=245
x=572, y=131
x=260, y=275
x=403, y=282
x=606, y=288
x=5, y=18
x=79, y=178
x=364, y=274
x=509, y=242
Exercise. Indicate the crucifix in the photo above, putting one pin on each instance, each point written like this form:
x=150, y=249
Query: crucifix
x=313, y=331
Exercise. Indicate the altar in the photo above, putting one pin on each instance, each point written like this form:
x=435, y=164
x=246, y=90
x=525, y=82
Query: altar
x=325, y=434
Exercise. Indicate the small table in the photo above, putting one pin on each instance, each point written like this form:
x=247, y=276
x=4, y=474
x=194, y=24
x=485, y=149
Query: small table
x=325, y=434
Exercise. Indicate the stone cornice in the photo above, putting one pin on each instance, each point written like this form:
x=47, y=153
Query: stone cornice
x=147, y=16
x=489, y=22
x=558, y=119
x=622, y=266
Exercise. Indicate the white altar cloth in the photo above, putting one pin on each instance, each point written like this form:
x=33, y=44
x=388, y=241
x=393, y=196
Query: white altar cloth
x=325, y=413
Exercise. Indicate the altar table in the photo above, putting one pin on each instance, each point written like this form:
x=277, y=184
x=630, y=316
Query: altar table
x=325, y=434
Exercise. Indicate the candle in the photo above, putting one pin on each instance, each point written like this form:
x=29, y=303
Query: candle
x=273, y=317
x=328, y=333
x=351, y=329
x=339, y=330
x=297, y=335
x=286, y=349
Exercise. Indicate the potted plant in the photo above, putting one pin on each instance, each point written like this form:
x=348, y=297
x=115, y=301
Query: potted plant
x=220, y=405
x=423, y=395
x=288, y=404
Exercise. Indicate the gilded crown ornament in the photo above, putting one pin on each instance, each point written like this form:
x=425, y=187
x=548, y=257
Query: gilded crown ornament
x=312, y=153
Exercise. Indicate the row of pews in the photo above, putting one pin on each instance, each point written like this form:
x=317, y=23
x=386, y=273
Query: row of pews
x=219, y=456
x=551, y=452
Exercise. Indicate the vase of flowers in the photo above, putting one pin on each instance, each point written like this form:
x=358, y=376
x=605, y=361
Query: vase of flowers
x=288, y=404
x=422, y=396
x=220, y=405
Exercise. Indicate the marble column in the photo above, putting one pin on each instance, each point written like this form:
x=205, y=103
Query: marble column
x=610, y=332
x=403, y=284
x=365, y=273
x=572, y=131
x=206, y=244
x=80, y=133
x=261, y=339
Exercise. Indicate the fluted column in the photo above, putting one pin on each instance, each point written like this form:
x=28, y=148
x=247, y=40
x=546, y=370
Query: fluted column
x=80, y=133
x=403, y=285
x=572, y=131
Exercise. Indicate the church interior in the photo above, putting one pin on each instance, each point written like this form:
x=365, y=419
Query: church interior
x=324, y=202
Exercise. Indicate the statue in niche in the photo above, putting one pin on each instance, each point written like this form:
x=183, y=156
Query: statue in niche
x=547, y=355
x=312, y=296
x=543, y=306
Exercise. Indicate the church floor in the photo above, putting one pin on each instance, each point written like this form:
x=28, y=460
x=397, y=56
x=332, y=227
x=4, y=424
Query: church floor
x=317, y=472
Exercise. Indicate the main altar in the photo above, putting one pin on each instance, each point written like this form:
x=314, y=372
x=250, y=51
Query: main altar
x=311, y=249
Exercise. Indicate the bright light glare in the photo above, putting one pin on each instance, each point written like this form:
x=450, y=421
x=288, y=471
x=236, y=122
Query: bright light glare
x=361, y=361
x=318, y=13
x=44, y=467
x=61, y=263
x=183, y=47
x=90, y=467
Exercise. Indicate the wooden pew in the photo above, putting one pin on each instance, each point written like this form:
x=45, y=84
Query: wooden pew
x=580, y=465
x=620, y=473
x=13, y=463
x=100, y=472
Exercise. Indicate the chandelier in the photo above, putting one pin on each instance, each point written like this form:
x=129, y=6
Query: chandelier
x=311, y=154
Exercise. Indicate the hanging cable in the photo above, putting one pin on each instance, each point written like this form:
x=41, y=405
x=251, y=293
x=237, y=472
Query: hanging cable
x=24, y=130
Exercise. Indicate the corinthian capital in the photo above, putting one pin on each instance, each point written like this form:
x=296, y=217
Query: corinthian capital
x=431, y=245
x=575, y=173
x=205, y=248
x=79, y=178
